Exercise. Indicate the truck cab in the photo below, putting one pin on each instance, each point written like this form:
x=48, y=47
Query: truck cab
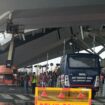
x=80, y=70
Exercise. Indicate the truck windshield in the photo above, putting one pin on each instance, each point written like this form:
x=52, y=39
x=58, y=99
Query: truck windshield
x=82, y=62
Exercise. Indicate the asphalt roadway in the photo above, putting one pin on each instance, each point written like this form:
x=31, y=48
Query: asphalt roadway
x=13, y=95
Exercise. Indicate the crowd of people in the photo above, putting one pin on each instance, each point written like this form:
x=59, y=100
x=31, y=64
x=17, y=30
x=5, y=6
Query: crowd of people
x=45, y=79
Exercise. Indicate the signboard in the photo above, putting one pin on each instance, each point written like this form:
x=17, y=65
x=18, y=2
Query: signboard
x=62, y=96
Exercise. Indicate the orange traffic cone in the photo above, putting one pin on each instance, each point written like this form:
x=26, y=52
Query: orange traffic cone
x=44, y=94
x=61, y=95
x=81, y=96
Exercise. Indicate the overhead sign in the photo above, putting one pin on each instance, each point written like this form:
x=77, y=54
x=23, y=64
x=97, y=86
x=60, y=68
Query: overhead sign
x=62, y=96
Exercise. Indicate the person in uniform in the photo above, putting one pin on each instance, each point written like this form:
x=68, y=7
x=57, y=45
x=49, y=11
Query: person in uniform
x=33, y=84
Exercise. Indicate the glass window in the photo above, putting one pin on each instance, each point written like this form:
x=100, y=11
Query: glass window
x=83, y=62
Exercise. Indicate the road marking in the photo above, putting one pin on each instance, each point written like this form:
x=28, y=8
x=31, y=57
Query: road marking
x=22, y=97
x=102, y=100
x=11, y=89
x=32, y=95
x=19, y=101
x=6, y=96
x=96, y=102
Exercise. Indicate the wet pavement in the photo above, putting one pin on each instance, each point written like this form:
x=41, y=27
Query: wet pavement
x=13, y=89
x=13, y=95
x=16, y=103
